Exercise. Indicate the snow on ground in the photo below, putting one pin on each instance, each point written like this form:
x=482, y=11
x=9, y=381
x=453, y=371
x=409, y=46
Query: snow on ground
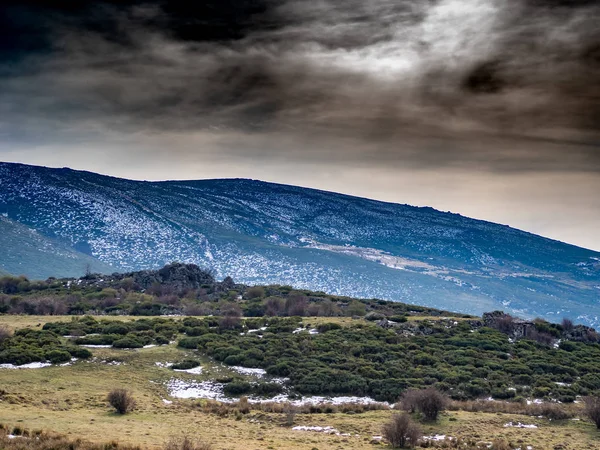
x=327, y=430
x=34, y=365
x=300, y=330
x=214, y=391
x=248, y=371
x=436, y=437
x=95, y=346
x=317, y=429
x=69, y=363
x=518, y=425
x=193, y=371
x=163, y=364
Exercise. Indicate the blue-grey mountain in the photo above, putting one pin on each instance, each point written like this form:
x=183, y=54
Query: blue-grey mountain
x=61, y=222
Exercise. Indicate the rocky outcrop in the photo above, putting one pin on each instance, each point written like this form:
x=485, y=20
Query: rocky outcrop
x=177, y=276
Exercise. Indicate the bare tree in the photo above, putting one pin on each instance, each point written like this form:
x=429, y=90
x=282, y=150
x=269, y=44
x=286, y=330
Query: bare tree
x=429, y=402
x=401, y=431
x=592, y=409
x=567, y=324
x=295, y=305
x=409, y=400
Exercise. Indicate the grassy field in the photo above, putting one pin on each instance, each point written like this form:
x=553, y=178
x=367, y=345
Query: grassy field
x=71, y=400
x=28, y=321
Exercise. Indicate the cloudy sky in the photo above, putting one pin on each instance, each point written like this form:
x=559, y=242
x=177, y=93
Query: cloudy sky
x=489, y=108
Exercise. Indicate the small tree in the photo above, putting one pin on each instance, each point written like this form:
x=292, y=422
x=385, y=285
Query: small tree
x=401, y=431
x=567, y=324
x=121, y=400
x=356, y=308
x=409, y=400
x=290, y=414
x=430, y=402
x=592, y=409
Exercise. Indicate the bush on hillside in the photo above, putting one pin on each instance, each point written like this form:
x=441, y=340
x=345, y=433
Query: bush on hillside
x=186, y=364
x=429, y=402
x=121, y=400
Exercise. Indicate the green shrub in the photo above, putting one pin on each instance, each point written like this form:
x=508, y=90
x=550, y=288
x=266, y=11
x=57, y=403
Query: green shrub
x=189, y=342
x=127, y=342
x=185, y=364
x=58, y=356
x=237, y=388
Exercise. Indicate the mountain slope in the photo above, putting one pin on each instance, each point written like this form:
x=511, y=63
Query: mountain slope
x=268, y=233
x=25, y=251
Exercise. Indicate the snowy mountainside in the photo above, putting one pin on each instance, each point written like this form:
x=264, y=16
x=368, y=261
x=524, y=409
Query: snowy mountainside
x=261, y=232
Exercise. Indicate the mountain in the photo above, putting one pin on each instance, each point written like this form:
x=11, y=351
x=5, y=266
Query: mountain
x=25, y=251
x=261, y=232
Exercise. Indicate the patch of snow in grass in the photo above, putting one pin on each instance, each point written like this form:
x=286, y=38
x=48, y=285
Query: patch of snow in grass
x=206, y=389
x=214, y=391
x=95, y=346
x=248, y=371
x=326, y=430
x=150, y=346
x=33, y=365
x=436, y=437
x=193, y=371
x=69, y=363
x=518, y=425
x=163, y=364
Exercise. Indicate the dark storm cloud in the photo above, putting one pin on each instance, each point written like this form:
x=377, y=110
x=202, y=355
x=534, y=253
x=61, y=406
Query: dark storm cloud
x=506, y=85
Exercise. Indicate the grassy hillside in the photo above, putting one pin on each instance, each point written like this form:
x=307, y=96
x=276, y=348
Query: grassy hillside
x=70, y=399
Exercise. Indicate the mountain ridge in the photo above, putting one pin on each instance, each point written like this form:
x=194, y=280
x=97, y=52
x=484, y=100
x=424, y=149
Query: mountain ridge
x=261, y=232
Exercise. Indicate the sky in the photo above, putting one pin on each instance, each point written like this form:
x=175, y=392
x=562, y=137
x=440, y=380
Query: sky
x=487, y=108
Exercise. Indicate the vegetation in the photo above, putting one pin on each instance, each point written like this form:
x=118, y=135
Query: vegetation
x=428, y=402
x=401, y=431
x=71, y=399
x=28, y=346
x=440, y=366
x=592, y=410
x=186, y=443
x=183, y=289
x=121, y=400
x=464, y=359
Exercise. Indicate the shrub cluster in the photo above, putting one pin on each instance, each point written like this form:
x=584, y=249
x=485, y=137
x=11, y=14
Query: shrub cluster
x=364, y=359
x=27, y=346
x=136, y=334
